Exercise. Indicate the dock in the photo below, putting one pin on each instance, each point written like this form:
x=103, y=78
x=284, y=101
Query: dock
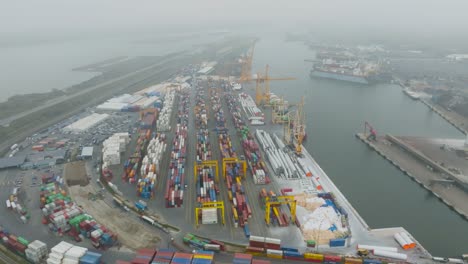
x=416, y=161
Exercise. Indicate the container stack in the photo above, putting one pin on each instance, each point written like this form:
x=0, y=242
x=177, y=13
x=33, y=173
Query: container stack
x=36, y=251
x=150, y=166
x=14, y=243
x=13, y=204
x=112, y=147
x=164, y=121
x=57, y=253
x=74, y=254
x=175, y=183
x=63, y=216
x=251, y=149
x=134, y=162
x=241, y=258
x=206, y=187
x=253, y=155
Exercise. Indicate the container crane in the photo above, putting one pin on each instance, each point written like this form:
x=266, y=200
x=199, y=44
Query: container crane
x=372, y=132
x=246, y=65
x=262, y=94
x=295, y=129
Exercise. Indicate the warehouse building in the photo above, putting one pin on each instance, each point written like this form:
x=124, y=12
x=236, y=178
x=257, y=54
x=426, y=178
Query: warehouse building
x=86, y=123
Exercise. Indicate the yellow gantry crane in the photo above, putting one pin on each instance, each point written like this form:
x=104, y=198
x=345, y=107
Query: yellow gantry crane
x=279, y=200
x=262, y=89
x=227, y=161
x=206, y=163
x=209, y=205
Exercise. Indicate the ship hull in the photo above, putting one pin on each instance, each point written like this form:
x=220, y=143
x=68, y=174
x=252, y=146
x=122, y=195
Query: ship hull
x=339, y=77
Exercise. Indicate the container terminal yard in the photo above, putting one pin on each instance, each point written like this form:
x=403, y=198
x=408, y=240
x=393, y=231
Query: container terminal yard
x=197, y=169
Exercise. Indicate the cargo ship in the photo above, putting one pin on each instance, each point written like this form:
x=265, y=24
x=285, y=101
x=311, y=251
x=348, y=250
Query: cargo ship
x=345, y=67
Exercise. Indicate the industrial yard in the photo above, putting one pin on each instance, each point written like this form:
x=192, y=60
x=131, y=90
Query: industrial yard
x=198, y=162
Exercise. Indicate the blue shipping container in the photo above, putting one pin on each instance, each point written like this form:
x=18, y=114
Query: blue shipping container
x=289, y=249
x=292, y=254
x=246, y=230
x=338, y=242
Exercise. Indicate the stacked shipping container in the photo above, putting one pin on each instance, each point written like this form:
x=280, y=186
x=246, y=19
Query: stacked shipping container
x=206, y=186
x=251, y=150
x=63, y=216
x=150, y=167
x=241, y=210
x=175, y=183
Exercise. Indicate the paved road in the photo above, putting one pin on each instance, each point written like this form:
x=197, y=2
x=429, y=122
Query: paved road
x=6, y=121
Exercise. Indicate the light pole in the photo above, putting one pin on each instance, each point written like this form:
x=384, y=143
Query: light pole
x=318, y=235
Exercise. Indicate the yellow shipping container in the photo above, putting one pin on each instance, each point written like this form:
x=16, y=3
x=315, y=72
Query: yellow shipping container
x=313, y=256
x=274, y=256
x=353, y=261
x=198, y=256
x=258, y=254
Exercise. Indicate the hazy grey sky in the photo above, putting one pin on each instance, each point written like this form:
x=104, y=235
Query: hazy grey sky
x=83, y=14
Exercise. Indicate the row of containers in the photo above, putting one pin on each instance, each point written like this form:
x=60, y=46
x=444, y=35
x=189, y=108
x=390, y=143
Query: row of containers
x=66, y=253
x=155, y=149
x=37, y=251
x=166, y=256
x=14, y=205
x=175, y=184
x=150, y=166
x=132, y=165
x=65, y=217
x=272, y=248
x=206, y=185
x=164, y=120
x=240, y=207
x=251, y=150
x=34, y=252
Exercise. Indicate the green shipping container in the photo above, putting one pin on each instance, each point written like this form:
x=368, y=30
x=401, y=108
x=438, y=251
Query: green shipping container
x=23, y=241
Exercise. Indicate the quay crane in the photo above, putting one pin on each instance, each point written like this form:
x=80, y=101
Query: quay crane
x=246, y=65
x=295, y=130
x=372, y=132
x=262, y=94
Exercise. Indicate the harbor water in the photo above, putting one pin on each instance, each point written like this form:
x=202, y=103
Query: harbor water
x=335, y=112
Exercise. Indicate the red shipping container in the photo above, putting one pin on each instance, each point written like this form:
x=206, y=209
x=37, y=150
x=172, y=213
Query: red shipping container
x=255, y=249
x=242, y=256
x=332, y=258
x=260, y=261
